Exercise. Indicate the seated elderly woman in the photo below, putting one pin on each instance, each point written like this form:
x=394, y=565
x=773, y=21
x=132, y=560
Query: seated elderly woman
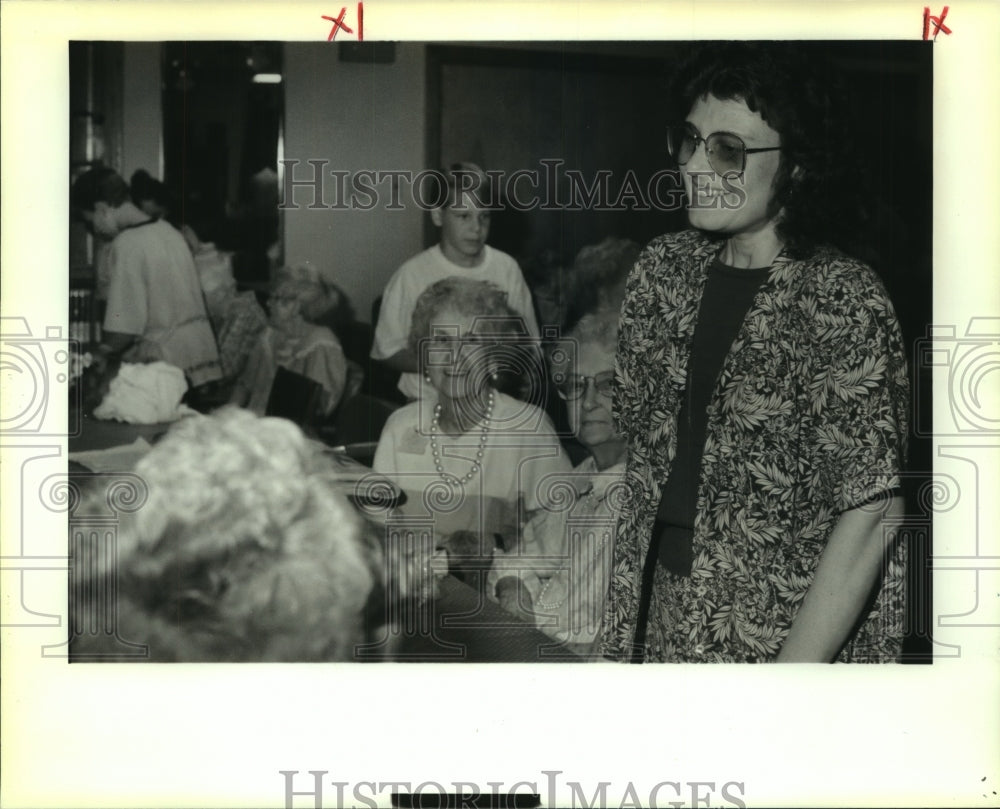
x=243, y=551
x=472, y=458
x=237, y=319
x=560, y=577
x=296, y=344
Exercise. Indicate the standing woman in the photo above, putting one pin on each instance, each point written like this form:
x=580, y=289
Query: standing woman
x=762, y=390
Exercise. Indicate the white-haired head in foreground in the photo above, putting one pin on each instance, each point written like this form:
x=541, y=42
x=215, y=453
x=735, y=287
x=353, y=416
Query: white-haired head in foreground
x=243, y=550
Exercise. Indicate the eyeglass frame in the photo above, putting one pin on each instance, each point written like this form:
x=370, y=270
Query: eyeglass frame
x=608, y=380
x=689, y=128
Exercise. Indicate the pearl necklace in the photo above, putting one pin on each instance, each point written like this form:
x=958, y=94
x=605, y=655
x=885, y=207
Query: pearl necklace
x=477, y=464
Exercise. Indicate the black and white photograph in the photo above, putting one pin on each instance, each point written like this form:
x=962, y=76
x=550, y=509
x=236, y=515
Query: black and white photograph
x=636, y=387
x=358, y=343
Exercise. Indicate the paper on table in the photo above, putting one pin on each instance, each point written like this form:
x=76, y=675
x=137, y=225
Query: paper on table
x=114, y=459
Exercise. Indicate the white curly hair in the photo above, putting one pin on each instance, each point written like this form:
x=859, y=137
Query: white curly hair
x=243, y=549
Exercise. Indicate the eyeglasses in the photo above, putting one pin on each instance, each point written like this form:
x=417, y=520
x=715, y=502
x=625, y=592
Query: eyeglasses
x=726, y=152
x=573, y=386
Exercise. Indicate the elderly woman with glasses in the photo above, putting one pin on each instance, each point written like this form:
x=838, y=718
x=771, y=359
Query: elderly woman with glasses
x=295, y=342
x=559, y=577
x=763, y=394
x=471, y=458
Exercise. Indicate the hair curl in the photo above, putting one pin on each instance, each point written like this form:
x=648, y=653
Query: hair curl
x=799, y=95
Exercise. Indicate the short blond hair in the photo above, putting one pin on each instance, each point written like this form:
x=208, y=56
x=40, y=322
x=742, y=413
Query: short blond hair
x=305, y=283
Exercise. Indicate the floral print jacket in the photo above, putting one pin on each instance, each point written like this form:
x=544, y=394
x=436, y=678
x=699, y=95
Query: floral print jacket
x=808, y=419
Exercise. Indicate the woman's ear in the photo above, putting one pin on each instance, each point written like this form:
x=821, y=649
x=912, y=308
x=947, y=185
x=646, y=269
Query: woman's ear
x=436, y=216
x=797, y=173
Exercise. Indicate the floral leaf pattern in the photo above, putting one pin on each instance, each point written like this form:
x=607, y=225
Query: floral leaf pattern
x=808, y=419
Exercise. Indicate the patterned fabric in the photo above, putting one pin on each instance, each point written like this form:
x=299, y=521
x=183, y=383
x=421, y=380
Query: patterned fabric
x=315, y=353
x=808, y=419
x=237, y=329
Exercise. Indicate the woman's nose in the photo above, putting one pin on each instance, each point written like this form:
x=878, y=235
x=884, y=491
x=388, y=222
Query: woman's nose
x=698, y=162
x=590, y=400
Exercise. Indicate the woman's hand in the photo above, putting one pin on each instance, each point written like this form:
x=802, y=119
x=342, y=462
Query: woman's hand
x=515, y=598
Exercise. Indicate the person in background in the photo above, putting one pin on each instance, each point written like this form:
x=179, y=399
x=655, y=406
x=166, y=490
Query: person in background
x=464, y=223
x=155, y=310
x=244, y=551
x=238, y=320
x=559, y=578
x=488, y=450
x=294, y=343
x=598, y=277
x=151, y=196
x=762, y=390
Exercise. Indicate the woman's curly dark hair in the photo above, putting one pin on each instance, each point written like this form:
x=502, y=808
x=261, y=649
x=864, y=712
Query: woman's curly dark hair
x=800, y=95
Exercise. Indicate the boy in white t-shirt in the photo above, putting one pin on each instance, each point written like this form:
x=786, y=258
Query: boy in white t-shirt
x=464, y=222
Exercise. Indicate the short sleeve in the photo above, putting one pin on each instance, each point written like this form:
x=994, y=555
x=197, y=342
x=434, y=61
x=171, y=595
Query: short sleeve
x=392, y=332
x=519, y=298
x=859, y=395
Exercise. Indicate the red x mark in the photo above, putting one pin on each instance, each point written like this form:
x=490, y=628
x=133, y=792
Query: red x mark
x=937, y=22
x=339, y=23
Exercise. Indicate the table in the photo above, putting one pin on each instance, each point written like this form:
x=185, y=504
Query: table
x=462, y=626
x=458, y=626
x=99, y=434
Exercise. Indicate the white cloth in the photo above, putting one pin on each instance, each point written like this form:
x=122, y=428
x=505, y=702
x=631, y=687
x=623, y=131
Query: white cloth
x=392, y=333
x=154, y=293
x=566, y=553
x=522, y=460
x=145, y=393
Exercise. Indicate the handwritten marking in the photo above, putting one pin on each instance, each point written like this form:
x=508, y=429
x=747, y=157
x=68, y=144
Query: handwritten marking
x=339, y=24
x=937, y=22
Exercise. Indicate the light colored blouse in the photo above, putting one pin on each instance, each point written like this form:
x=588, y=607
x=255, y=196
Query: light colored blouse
x=315, y=354
x=565, y=557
